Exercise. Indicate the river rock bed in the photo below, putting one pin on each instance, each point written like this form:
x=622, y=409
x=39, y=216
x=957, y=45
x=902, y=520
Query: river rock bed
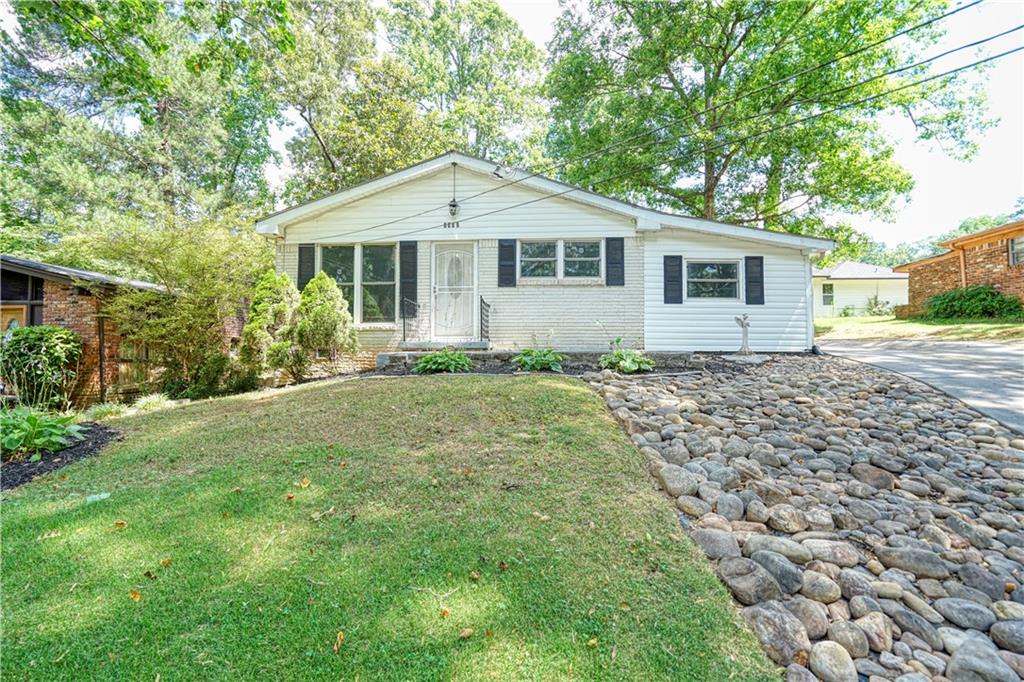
x=868, y=525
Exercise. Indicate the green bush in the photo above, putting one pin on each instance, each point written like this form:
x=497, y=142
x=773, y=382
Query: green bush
x=216, y=374
x=324, y=323
x=271, y=315
x=41, y=364
x=290, y=357
x=848, y=311
x=27, y=431
x=447, y=360
x=539, y=360
x=101, y=411
x=625, y=360
x=980, y=301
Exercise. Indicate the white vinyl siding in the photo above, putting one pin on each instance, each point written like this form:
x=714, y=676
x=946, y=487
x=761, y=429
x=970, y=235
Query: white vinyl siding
x=566, y=314
x=556, y=218
x=708, y=324
x=855, y=293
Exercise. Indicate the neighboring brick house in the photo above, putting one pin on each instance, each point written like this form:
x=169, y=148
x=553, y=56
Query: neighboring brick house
x=41, y=293
x=994, y=257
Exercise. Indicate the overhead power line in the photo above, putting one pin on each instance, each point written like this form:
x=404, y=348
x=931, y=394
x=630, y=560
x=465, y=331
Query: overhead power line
x=755, y=117
x=731, y=142
x=662, y=128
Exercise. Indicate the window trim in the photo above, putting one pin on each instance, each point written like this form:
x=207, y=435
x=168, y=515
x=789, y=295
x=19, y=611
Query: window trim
x=738, y=262
x=357, y=285
x=1013, y=244
x=560, y=277
x=831, y=293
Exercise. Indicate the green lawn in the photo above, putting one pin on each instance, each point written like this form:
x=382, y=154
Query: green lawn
x=400, y=512
x=890, y=328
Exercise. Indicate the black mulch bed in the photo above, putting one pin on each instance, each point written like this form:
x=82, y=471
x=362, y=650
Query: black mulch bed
x=713, y=363
x=13, y=474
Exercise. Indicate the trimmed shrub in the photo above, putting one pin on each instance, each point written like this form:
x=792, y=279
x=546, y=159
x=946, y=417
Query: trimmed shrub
x=539, y=360
x=271, y=315
x=290, y=357
x=980, y=301
x=324, y=324
x=41, y=363
x=448, y=360
x=27, y=431
x=625, y=360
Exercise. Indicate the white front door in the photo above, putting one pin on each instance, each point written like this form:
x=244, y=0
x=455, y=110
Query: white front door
x=454, y=311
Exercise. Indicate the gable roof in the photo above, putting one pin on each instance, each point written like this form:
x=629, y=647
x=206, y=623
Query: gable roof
x=853, y=270
x=966, y=240
x=645, y=219
x=68, y=275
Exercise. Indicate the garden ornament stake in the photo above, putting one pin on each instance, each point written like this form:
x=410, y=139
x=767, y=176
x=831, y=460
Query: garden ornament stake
x=745, y=326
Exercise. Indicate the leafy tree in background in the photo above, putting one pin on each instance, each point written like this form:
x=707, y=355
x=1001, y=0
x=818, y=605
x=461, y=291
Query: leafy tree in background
x=622, y=69
x=117, y=114
x=479, y=72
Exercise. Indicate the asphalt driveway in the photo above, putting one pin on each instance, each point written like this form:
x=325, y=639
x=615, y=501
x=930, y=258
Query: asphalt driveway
x=987, y=376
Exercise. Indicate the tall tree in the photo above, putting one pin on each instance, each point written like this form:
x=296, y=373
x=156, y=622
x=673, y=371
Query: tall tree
x=676, y=76
x=480, y=73
x=115, y=112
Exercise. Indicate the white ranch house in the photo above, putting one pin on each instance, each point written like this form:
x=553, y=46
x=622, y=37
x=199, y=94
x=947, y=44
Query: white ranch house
x=846, y=288
x=526, y=261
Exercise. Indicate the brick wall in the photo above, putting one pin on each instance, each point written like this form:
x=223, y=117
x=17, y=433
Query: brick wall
x=929, y=279
x=984, y=263
x=989, y=263
x=77, y=309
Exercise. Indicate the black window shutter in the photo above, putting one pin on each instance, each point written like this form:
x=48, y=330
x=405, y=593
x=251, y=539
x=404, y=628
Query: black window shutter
x=307, y=264
x=614, y=266
x=753, y=274
x=506, y=262
x=673, y=279
x=407, y=278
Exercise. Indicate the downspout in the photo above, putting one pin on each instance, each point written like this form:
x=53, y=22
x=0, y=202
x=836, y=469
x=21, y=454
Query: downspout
x=103, y=357
x=963, y=266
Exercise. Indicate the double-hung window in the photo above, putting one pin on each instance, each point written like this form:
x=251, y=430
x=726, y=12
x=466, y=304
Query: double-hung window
x=712, y=279
x=1017, y=251
x=367, y=277
x=581, y=259
x=827, y=294
x=538, y=259
x=560, y=259
x=340, y=263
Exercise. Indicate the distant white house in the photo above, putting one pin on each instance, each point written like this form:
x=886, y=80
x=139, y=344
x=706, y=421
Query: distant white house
x=846, y=289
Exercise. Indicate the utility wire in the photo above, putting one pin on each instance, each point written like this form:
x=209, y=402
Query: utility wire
x=729, y=143
x=751, y=118
x=713, y=107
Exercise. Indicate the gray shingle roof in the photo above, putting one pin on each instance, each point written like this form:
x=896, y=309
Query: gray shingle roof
x=851, y=270
x=66, y=274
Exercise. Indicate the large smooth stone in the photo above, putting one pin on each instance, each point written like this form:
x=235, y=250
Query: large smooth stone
x=716, y=544
x=1009, y=635
x=748, y=581
x=965, y=613
x=782, y=636
x=793, y=551
x=920, y=562
x=785, y=572
x=976, y=660
x=832, y=663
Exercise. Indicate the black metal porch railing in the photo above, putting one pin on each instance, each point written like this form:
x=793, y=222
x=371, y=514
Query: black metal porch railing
x=485, y=320
x=410, y=310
